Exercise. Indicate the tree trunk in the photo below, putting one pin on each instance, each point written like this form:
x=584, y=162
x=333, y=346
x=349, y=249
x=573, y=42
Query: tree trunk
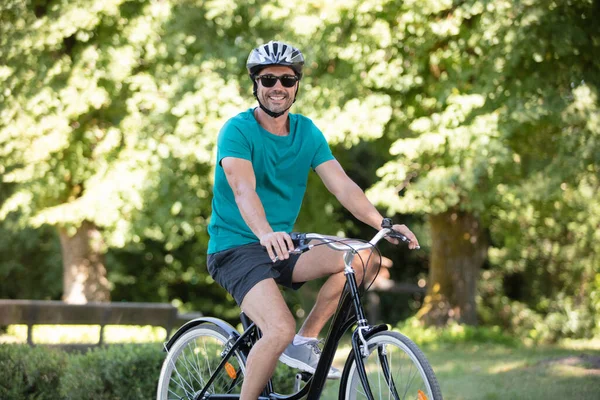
x=84, y=273
x=459, y=248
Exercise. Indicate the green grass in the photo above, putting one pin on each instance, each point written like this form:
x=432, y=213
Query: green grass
x=489, y=371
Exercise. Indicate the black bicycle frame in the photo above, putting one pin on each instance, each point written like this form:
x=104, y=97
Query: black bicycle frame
x=348, y=313
x=383, y=360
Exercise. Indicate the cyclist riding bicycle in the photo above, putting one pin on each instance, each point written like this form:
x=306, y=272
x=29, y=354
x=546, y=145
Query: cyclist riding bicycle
x=264, y=156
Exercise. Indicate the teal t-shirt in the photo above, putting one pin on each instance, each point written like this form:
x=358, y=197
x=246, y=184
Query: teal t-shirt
x=281, y=166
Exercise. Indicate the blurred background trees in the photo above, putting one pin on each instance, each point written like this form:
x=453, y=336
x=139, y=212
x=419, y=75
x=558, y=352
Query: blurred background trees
x=475, y=122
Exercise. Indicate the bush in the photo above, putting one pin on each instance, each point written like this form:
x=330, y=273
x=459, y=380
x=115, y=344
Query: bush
x=453, y=333
x=117, y=372
x=567, y=319
x=30, y=373
x=283, y=379
x=553, y=320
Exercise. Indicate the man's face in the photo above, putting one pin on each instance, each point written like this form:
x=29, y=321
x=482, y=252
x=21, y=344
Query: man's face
x=277, y=98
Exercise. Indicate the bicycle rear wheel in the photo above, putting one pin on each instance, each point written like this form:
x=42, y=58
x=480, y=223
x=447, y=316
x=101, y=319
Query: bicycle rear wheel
x=396, y=369
x=191, y=361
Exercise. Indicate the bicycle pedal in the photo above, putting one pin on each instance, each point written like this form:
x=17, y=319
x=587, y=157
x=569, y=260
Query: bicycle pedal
x=301, y=377
x=304, y=376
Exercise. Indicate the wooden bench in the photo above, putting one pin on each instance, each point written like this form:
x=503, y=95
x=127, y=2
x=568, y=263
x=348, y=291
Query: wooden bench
x=36, y=312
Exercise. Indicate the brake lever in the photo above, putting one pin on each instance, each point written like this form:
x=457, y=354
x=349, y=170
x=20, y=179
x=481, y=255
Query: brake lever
x=397, y=235
x=298, y=250
x=301, y=249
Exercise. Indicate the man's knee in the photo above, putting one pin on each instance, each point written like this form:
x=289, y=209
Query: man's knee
x=280, y=331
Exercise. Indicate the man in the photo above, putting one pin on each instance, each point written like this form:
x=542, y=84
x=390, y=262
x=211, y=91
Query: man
x=264, y=156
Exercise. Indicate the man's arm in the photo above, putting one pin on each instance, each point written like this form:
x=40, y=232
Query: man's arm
x=352, y=197
x=349, y=194
x=241, y=179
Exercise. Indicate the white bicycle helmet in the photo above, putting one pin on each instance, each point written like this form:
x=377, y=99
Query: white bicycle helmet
x=275, y=53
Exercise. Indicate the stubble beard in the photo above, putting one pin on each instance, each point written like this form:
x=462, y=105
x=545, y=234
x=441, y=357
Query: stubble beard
x=276, y=107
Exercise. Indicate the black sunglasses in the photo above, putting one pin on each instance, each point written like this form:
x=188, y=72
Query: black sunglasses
x=287, y=81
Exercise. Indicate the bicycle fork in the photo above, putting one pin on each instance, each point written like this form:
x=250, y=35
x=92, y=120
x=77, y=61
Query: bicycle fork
x=361, y=351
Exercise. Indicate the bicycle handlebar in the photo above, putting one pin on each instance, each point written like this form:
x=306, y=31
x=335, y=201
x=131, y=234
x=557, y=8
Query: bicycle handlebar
x=344, y=244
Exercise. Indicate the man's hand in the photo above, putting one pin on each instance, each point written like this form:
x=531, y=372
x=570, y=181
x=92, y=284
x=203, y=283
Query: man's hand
x=403, y=229
x=278, y=245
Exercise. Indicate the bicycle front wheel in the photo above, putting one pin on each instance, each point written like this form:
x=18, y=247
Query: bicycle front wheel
x=396, y=369
x=193, y=359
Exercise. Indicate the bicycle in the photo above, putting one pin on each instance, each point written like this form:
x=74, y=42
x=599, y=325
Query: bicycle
x=206, y=356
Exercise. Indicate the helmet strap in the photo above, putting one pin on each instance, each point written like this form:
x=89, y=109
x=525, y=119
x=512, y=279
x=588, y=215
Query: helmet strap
x=266, y=110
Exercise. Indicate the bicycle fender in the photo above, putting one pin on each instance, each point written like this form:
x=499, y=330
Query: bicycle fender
x=375, y=329
x=231, y=331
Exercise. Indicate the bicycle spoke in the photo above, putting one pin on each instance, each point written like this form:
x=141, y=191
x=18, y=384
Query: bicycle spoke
x=390, y=381
x=194, y=374
x=180, y=380
x=185, y=362
x=409, y=383
x=181, y=383
x=191, y=376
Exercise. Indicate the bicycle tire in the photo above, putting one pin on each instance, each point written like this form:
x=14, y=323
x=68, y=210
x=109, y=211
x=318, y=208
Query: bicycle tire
x=402, y=355
x=193, y=358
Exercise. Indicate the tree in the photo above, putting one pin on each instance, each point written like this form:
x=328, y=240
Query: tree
x=500, y=109
x=95, y=112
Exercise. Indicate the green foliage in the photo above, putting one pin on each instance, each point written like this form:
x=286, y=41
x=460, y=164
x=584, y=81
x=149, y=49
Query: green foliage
x=31, y=266
x=30, y=373
x=126, y=372
x=454, y=333
x=110, y=114
x=30, y=258
x=113, y=119
x=115, y=372
x=547, y=321
x=498, y=116
x=283, y=379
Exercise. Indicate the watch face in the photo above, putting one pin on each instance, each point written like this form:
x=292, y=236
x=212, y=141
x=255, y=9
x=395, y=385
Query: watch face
x=387, y=223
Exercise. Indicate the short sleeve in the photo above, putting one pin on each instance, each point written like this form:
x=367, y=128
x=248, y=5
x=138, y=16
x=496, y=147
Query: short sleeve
x=322, y=150
x=232, y=143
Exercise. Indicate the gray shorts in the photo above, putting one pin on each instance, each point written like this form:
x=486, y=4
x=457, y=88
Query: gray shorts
x=238, y=269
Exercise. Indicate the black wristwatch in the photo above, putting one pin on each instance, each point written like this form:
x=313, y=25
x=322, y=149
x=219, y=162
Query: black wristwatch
x=387, y=223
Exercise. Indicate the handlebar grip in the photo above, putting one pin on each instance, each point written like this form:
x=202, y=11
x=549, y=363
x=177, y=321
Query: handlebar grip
x=398, y=235
x=401, y=237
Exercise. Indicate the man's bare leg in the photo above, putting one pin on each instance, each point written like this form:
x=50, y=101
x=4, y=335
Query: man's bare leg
x=277, y=326
x=324, y=307
x=323, y=261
